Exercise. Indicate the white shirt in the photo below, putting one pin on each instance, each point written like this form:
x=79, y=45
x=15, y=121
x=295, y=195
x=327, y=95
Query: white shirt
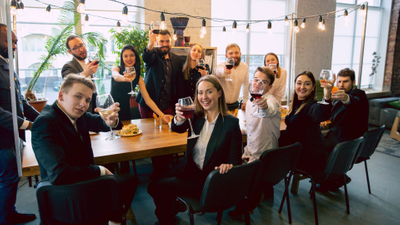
x=262, y=133
x=240, y=79
x=279, y=86
x=83, y=64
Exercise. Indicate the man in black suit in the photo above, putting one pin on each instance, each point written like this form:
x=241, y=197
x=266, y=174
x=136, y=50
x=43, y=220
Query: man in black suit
x=61, y=141
x=78, y=64
x=26, y=114
x=349, y=116
x=164, y=83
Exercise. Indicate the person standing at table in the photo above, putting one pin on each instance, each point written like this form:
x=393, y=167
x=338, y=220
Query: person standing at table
x=239, y=75
x=121, y=84
x=191, y=73
x=61, y=141
x=218, y=146
x=164, y=84
x=349, y=119
x=26, y=114
x=78, y=65
x=278, y=90
x=303, y=122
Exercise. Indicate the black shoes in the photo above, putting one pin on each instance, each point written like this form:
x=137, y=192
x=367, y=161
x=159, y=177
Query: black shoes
x=23, y=218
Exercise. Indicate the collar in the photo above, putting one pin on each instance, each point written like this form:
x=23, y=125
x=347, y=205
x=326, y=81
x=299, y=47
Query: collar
x=6, y=60
x=72, y=120
x=212, y=122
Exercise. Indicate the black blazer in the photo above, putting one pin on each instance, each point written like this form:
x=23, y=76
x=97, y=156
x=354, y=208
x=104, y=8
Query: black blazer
x=64, y=155
x=225, y=145
x=72, y=66
x=23, y=107
x=348, y=121
x=154, y=78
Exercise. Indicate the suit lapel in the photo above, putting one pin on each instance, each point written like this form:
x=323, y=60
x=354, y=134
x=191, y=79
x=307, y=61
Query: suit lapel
x=212, y=144
x=77, y=64
x=67, y=121
x=197, y=126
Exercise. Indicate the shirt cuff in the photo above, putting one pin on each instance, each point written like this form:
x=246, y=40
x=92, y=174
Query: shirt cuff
x=347, y=101
x=102, y=170
x=24, y=125
x=177, y=122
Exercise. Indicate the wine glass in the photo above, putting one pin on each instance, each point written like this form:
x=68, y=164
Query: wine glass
x=187, y=107
x=273, y=68
x=105, y=103
x=93, y=56
x=229, y=65
x=200, y=64
x=155, y=27
x=131, y=72
x=324, y=77
x=256, y=89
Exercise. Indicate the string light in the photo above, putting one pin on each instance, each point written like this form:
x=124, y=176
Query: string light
x=125, y=15
x=203, y=29
x=174, y=37
x=81, y=6
x=296, y=26
x=323, y=24
x=234, y=27
x=346, y=17
x=303, y=24
x=163, y=25
x=20, y=9
x=286, y=21
x=269, y=27
x=224, y=31
x=86, y=20
x=13, y=7
x=362, y=11
x=119, y=30
x=247, y=28
x=48, y=8
x=320, y=22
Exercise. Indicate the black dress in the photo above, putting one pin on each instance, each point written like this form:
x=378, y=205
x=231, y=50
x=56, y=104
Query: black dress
x=119, y=92
x=190, y=85
x=304, y=127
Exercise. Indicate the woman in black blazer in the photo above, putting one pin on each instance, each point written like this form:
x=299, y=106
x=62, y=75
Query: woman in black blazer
x=219, y=146
x=303, y=122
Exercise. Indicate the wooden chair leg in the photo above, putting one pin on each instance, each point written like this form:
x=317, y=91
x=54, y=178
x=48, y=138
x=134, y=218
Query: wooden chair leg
x=394, y=132
x=295, y=184
x=131, y=216
x=366, y=173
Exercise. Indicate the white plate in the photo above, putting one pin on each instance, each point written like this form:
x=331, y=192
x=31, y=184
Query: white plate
x=129, y=135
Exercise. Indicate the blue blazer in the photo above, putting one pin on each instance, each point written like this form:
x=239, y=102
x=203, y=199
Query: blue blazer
x=24, y=110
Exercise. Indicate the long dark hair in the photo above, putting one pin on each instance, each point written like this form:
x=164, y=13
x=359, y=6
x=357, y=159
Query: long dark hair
x=311, y=97
x=186, y=66
x=137, y=59
x=278, y=68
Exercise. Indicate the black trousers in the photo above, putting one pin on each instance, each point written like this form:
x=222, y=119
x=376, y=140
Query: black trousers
x=128, y=184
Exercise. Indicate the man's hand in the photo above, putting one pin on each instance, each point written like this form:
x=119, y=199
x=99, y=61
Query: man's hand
x=227, y=71
x=261, y=103
x=340, y=95
x=111, y=119
x=152, y=40
x=90, y=69
x=224, y=168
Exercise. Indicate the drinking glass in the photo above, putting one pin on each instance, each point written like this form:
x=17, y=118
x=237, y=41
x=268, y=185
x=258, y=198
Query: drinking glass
x=93, y=56
x=324, y=77
x=187, y=107
x=155, y=27
x=256, y=89
x=229, y=63
x=200, y=64
x=131, y=72
x=273, y=68
x=105, y=103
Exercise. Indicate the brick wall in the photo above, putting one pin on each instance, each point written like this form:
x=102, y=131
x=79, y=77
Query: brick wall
x=392, y=69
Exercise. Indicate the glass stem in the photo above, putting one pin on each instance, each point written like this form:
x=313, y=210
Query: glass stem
x=131, y=87
x=112, y=133
x=191, y=128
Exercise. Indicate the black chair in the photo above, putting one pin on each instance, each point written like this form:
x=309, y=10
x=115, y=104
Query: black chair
x=95, y=201
x=222, y=191
x=339, y=162
x=371, y=141
x=277, y=163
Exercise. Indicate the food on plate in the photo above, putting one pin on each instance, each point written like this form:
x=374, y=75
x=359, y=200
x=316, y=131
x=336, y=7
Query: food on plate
x=129, y=129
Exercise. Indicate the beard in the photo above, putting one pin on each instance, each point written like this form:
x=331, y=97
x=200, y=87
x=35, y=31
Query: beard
x=237, y=60
x=164, y=50
x=4, y=53
x=78, y=57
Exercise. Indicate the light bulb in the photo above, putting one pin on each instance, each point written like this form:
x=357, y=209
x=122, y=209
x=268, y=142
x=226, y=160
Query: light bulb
x=20, y=9
x=81, y=8
x=296, y=29
x=124, y=19
x=86, y=21
x=224, y=31
x=286, y=21
x=174, y=37
x=362, y=11
x=13, y=7
x=163, y=25
x=203, y=30
x=201, y=35
x=119, y=30
x=248, y=28
x=303, y=24
x=296, y=26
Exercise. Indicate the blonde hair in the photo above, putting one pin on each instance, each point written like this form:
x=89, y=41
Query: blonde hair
x=199, y=110
x=186, y=66
x=73, y=78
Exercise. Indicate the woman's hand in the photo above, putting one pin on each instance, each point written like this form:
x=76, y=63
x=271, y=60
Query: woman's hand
x=120, y=78
x=179, y=114
x=203, y=72
x=224, y=168
x=167, y=118
x=129, y=77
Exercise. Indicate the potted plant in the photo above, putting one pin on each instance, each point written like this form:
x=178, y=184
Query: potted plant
x=55, y=45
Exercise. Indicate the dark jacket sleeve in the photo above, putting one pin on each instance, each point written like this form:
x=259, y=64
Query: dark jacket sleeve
x=320, y=112
x=50, y=153
x=235, y=154
x=149, y=57
x=181, y=128
x=29, y=111
x=96, y=124
x=67, y=69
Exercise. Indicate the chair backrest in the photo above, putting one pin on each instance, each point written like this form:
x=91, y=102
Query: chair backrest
x=92, y=201
x=371, y=141
x=341, y=158
x=222, y=191
x=278, y=162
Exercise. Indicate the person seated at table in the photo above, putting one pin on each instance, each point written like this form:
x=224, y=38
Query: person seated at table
x=278, y=90
x=61, y=141
x=191, y=73
x=121, y=84
x=303, y=122
x=218, y=147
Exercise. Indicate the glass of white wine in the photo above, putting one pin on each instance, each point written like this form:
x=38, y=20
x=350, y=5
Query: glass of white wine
x=105, y=103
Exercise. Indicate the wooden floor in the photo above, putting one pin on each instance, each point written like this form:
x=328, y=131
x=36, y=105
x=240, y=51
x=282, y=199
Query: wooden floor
x=380, y=207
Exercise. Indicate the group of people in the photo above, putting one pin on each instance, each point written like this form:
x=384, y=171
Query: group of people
x=60, y=134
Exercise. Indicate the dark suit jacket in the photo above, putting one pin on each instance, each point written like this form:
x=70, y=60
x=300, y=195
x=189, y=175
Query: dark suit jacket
x=348, y=121
x=72, y=66
x=63, y=156
x=23, y=107
x=225, y=145
x=155, y=79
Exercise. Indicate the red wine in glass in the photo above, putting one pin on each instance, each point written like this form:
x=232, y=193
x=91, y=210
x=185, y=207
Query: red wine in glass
x=188, y=113
x=200, y=67
x=156, y=31
x=187, y=108
x=256, y=95
x=229, y=67
x=256, y=89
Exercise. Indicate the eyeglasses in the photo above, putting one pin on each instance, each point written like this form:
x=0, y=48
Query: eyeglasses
x=76, y=48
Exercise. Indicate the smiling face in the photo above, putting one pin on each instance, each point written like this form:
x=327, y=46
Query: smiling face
x=129, y=57
x=77, y=49
x=76, y=100
x=165, y=42
x=304, y=87
x=270, y=59
x=196, y=52
x=208, y=96
x=234, y=52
